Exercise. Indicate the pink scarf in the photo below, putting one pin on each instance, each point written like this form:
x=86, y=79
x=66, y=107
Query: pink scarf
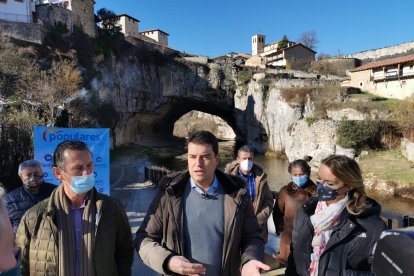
x=324, y=219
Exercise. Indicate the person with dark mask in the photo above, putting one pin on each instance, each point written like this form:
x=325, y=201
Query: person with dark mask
x=33, y=191
x=335, y=232
x=9, y=253
x=289, y=199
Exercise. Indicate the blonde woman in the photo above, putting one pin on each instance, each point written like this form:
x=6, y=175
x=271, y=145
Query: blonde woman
x=334, y=234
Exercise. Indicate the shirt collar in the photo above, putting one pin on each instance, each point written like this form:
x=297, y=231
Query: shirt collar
x=212, y=189
x=84, y=203
x=251, y=174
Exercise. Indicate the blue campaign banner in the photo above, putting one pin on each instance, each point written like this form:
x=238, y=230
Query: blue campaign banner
x=47, y=138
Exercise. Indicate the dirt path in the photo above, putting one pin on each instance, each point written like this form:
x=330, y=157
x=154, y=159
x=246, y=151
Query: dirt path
x=136, y=196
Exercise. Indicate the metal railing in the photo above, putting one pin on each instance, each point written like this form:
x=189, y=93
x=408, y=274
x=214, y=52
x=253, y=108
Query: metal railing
x=391, y=75
x=392, y=220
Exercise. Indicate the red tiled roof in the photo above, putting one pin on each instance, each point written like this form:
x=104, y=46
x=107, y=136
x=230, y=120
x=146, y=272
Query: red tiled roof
x=382, y=63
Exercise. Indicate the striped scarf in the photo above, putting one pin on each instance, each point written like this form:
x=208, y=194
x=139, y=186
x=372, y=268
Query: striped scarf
x=323, y=221
x=66, y=235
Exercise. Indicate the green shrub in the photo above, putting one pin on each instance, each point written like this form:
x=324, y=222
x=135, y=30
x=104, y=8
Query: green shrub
x=311, y=120
x=367, y=134
x=244, y=76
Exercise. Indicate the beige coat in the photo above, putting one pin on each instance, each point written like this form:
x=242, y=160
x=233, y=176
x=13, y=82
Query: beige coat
x=263, y=201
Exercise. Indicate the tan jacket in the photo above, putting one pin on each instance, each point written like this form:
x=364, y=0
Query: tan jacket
x=37, y=237
x=263, y=201
x=160, y=236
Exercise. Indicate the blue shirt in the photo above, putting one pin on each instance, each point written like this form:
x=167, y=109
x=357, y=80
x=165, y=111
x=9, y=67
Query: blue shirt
x=251, y=183
x=211, y=190
x=77, y=214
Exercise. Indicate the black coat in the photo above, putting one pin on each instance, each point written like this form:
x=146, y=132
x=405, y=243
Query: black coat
x=21, y=199
x=349, y=249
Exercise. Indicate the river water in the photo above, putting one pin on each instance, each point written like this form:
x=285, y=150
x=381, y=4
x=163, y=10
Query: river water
x=173, y=157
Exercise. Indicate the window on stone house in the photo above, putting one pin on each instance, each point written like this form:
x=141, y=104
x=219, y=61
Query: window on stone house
x=360, y=84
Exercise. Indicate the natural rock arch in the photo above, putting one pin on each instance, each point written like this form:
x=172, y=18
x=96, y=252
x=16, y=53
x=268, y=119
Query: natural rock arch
x=158, y=126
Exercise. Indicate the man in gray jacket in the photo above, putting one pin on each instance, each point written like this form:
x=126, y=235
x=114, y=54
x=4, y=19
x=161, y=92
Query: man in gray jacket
x=201, y=221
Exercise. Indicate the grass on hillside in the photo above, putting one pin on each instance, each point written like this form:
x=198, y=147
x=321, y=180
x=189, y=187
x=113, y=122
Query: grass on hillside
x=388, y=165
x=361, y=101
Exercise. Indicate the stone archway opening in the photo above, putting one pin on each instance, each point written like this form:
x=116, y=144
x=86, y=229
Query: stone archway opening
x=197, y=120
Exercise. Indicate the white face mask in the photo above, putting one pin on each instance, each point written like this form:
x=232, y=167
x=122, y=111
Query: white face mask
x=246, y=165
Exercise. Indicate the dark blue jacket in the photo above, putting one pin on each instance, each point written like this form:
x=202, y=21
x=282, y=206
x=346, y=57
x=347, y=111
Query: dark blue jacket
x=21, y=199
x=349, y=249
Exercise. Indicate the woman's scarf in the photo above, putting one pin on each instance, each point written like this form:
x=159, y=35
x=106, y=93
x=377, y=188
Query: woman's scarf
x=324, y=219
x=67, y=237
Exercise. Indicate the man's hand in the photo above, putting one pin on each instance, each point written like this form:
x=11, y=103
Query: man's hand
x=252, y=268
x=181, y=265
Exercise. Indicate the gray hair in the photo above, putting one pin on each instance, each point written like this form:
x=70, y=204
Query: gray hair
x=27, y=164
x=245, y=148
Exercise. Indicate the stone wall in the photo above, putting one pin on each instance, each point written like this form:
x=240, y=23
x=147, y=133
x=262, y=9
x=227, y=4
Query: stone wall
x=23, y=31
x=84, y=16
x=50, y=15
x=336, y=66
x=198, y=59
x=403, y=48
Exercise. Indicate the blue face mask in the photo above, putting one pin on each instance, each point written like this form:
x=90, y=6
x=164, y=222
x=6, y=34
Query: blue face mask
x=300, y=181
x=326, y=193
x=82, y=184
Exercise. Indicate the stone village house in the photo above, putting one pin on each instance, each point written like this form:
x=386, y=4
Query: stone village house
x=72, y=13
x=391, y=78
x=294, y=56
x=130, y=27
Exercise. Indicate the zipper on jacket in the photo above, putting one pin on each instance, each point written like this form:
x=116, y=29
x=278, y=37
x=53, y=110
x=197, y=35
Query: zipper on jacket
x=238, y=200
x=176, y=234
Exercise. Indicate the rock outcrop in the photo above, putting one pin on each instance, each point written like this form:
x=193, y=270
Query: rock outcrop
x=407, y=149
x=150, y=91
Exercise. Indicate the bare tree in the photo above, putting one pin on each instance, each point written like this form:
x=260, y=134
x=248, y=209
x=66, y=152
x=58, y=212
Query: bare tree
x=309, y=39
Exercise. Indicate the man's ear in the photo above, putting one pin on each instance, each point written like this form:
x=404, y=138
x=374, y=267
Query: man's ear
x=57, y=173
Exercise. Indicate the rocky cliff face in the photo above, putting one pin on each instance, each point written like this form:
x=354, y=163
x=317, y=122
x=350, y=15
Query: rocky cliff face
x=151, y=92
x=270, y=123
x=196, y=120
